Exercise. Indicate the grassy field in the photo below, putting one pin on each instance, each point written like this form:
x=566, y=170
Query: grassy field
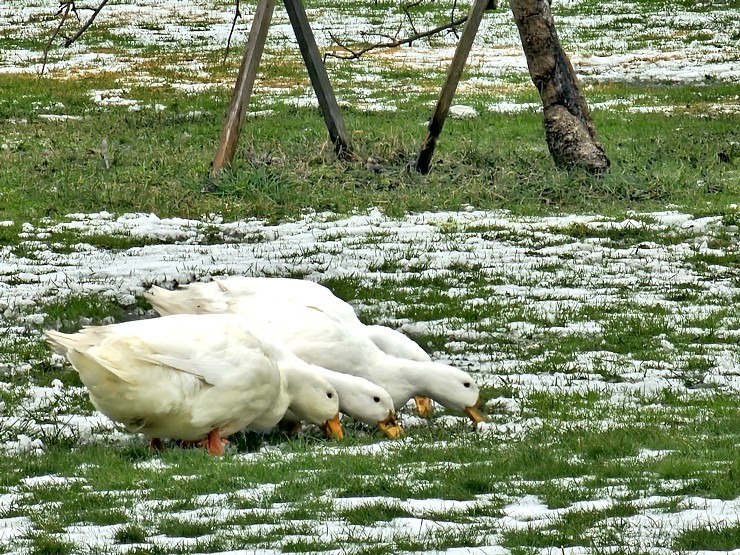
x=599, y=314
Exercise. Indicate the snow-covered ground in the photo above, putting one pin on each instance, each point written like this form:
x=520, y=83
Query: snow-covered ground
x=533, y=263
x=613, y=42
x=545, y=272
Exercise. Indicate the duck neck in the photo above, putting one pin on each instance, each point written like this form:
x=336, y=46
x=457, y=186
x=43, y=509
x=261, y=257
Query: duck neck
x=294, y=379
x=279, y=407
x=423, y=376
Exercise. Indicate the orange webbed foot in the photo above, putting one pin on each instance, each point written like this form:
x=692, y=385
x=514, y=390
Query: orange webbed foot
x=424, y=406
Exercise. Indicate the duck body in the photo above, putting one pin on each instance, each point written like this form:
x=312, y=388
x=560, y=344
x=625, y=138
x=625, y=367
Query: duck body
x=395, y=343
x=180, y=377
x=289, y=290
x=216, y=297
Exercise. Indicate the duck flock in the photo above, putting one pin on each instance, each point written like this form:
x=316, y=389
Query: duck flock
x=249, y=353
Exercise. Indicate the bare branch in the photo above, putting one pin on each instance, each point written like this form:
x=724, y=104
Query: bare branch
x=392, y=42
x=237, y=15
x=64, y=10
x=78, y=34
x=406, y=8
x=393, y=37
x=452, y=19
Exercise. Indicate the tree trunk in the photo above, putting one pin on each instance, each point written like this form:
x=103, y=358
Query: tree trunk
x=569, y=130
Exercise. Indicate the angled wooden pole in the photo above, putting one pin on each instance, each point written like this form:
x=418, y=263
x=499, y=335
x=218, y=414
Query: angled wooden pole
x=423, y=162
x=244, y=85
x=319, y=78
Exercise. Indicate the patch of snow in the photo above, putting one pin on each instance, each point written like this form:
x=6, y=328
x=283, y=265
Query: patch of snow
x=24, y=445
x=152, y=464
x=14, y=528
x=461, y=111
x=49, y=480
x=57, y=117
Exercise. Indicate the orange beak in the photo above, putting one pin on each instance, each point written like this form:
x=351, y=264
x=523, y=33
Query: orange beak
x=390, y=426
x=424, y=406
x=474, y=413
x=333, y=428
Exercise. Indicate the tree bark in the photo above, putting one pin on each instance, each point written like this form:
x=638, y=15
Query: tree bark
x=569, y=129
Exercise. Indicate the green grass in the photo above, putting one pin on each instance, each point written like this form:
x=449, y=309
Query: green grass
x=159, y=160
x=716, y=537
x=180, y=528
x=48, y=545
x=574, y=528
x=130, y=533
x=525, y=467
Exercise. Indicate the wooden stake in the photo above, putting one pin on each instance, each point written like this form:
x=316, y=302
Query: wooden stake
x=319, y=78
x=423, y=162
x=244, y=85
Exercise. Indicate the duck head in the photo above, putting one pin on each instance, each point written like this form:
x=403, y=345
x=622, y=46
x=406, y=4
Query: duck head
x=366, y=402
x=314, y=400
x=457, y=390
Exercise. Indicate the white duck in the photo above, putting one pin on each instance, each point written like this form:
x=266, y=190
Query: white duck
x=324, y=340
x=215, y=297
x=359, y=398
x=395, y=343
x=181, y=377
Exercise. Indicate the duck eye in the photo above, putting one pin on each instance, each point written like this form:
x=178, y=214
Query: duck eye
x=330, y=395
x=376, y=399
x=467, y=384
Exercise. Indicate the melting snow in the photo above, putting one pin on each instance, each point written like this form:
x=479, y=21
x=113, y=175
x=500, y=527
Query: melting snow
x=514, y=251
x=596, y=44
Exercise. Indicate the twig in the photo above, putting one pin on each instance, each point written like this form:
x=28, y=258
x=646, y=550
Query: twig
x=452, y=19
x=405, y=9
x=237, y=15
x=66, y=8
x=354, y=54
x=87, y=24
x=393, y=37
